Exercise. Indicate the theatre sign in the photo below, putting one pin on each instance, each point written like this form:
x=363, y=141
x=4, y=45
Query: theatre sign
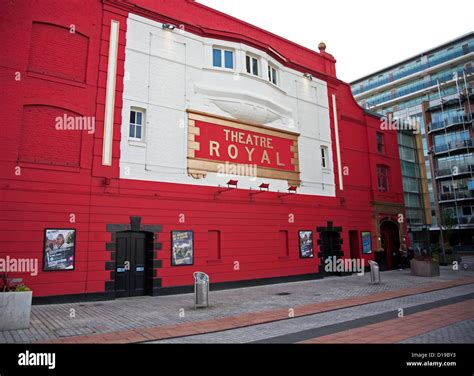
x=214, y=142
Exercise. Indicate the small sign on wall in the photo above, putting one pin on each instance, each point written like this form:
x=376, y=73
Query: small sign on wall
x=306, y=244
x=59, y=249
x=182, y=248
x=470, y=185
x=366, y=243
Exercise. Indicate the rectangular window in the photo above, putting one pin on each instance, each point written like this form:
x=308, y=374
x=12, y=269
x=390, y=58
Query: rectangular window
x=380, y=143
x=284, y=244
x=252, y=64
x=383, y=173
x=229, y=59
x=214, y=244
x=272, y=74
x=137, y=121
x=324, y=157
x=223, y=58
x=217, y=58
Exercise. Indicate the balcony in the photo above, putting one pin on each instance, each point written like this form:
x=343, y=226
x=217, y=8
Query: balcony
x=462, y=221
x=455, y=171
x=453, y=147
x=465, y=221
x=410, y=89
x=461, y=195
x=412, y=70
x=449, y=122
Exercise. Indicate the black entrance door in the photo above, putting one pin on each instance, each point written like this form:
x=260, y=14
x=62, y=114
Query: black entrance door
x=330, y=248
x=130, y=276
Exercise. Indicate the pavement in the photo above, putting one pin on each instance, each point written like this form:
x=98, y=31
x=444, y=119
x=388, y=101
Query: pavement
x=334, y=310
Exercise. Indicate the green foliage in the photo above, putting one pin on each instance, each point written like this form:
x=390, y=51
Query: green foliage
x=21, y=288
x=448, y=224
x=447, y=248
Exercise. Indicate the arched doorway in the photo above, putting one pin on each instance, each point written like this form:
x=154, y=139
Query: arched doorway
x=391, y=243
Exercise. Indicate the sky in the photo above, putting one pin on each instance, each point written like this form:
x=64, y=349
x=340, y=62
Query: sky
x=364, y=35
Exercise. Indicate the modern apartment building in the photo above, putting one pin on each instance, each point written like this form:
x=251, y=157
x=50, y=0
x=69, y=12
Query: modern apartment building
x=433, y=89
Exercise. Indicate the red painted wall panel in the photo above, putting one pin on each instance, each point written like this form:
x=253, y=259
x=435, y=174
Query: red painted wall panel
x=42, y=194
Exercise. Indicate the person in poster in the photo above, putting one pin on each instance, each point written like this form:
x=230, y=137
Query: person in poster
x=59, y=252
x=306, y=244
x=182, y=248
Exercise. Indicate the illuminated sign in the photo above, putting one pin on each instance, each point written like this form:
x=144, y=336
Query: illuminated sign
x=216, y=143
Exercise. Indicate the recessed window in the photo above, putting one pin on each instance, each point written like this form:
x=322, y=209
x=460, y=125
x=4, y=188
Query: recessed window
x=324, y=157
x=222, y=58
x=214, y=241
x=380, y=143
x=137, y=121
x=252, y=65
x=272, y=74
x=383, y=174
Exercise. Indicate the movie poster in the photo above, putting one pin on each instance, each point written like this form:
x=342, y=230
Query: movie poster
x=366, y=243
x=306, y=244
x=59, y=249
x=182, y=248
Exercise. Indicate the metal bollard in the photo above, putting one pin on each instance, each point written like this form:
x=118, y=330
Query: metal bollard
x=374, y=272
x=201, y=290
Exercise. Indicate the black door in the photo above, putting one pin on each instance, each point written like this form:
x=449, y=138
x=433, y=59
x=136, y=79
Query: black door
x=330, y=248
x=130, y=276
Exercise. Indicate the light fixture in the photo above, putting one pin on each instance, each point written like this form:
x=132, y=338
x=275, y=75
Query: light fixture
x=309, y=76
x=292, y=190
x=231, y=185
x=264, y=188
x=168, y=27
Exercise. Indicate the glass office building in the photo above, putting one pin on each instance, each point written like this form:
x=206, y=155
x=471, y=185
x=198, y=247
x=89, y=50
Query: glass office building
x=435, y=90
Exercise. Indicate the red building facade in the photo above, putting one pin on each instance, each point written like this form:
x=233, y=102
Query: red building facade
x=76, y=60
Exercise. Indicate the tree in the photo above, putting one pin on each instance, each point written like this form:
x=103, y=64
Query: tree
x=447, y=226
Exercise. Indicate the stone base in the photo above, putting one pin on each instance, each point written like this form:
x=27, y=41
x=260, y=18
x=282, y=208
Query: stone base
x=15, y=310
x=424, y=268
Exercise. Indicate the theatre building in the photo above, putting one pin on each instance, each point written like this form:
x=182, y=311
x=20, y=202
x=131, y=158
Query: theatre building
x=143, y=141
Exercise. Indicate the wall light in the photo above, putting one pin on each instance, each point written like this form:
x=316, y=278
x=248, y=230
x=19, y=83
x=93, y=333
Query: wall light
x=264, y=188
x=168, y=27
x=292, y=190
x=231, y=185
x=309, y=76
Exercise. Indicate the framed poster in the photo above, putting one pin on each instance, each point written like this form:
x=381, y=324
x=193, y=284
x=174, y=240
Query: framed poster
x=182, y=248
x=366, y=243
x=59, y=250
x=306, y=244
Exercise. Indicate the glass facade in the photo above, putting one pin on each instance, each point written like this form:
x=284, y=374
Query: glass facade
x=425, y=62
x=432, y=87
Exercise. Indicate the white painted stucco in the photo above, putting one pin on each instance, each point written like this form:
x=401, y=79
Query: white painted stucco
x=169, y=72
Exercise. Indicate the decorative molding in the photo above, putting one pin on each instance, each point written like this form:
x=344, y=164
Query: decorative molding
x=110, y=94
x=246, y=106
